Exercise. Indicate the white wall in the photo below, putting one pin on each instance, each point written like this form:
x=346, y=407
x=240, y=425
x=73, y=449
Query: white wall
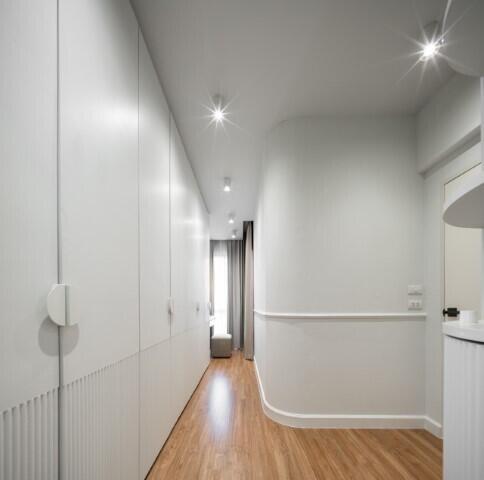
x=451, y=139
x=359, y=225
x=339, y=229
x=340, y=199
x=450, y=120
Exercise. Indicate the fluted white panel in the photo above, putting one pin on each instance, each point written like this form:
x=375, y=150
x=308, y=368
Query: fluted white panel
x=169, y=373
x=28, y=439
x=190, y=357
x=100, y=424
x=463, y=410
x=156, y=413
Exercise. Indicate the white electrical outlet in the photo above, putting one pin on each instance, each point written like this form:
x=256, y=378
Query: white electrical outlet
x=415, y=290
x=415, y=304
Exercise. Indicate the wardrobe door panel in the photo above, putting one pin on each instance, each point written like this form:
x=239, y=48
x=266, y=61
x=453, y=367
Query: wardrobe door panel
x=182, y=220
x=156, y=412
x=190, y=353
x=156, y=419
x=98, y=41
x=28, y=199
x=190, y=250
x=201, y=255
x=189, y=243
x=100, y=424
x=183, y=363
x=98, y=72
x=205, y=273
x=193, y=262
x=154, y=151
x=28, y=239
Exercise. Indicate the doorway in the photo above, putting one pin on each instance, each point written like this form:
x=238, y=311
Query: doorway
x=462, y=256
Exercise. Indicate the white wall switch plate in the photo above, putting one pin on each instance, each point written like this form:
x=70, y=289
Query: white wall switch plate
x=415, y=304
x=415, y=290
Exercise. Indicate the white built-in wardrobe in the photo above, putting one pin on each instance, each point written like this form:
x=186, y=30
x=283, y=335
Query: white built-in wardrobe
x=96, y=192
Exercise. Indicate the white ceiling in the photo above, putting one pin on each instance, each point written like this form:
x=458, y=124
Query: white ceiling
x=277, y=59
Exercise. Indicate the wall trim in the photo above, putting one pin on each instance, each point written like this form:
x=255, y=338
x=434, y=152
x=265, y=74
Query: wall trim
x=434, y=427
x=349, y=316
x=466, y=142
x=305, y=420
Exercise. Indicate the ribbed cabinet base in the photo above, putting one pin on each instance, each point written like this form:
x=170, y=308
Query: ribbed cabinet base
x=28, y=439
x=463, y=410
x=100, y=424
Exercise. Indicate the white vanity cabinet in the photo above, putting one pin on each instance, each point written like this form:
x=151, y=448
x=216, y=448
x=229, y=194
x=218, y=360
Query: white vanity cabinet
x=463, y=401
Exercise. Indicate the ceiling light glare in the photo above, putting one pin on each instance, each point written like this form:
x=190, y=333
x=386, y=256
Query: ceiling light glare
x=430, y=50
x=218, y=115
x=218, y=111
x=231, y=219
x=432, y=41
x=227, y=184
x=234, y=234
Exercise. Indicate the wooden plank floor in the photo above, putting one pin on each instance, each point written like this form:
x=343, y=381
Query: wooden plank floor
x=224, y=434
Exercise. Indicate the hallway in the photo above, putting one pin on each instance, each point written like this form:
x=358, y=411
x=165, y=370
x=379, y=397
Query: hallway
x=224, y=434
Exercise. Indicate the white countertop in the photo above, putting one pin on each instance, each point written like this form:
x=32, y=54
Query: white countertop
x=474, y=332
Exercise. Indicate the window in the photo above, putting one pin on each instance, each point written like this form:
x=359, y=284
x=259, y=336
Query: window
x=220, y=289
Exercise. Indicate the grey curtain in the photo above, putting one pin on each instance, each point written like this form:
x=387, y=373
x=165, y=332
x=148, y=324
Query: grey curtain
x=235, y=307
x=212, y=247
x=249, y=292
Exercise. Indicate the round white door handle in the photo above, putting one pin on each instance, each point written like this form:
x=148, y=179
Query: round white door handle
x=57, y=305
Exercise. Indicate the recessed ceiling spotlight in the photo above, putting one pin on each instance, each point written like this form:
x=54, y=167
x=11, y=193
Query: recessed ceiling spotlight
x=234, y=233
x=433, y=41
x=430, y=50
x=227, y=184
x=231, y=218
x=218, y=110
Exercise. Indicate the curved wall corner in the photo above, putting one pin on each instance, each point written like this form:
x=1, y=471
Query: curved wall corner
x=339, y=228
x=341, y=373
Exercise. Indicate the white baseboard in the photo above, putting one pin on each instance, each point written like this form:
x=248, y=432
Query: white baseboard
x=435, y=428
x=304, y=420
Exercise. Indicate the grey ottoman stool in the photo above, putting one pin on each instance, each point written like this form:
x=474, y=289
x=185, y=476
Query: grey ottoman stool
x=221, y=345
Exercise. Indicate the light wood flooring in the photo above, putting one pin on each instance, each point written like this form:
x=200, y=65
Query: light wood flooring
x=224, y=434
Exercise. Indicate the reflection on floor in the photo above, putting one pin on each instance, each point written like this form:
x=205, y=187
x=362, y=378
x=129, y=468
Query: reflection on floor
x=224, y=434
